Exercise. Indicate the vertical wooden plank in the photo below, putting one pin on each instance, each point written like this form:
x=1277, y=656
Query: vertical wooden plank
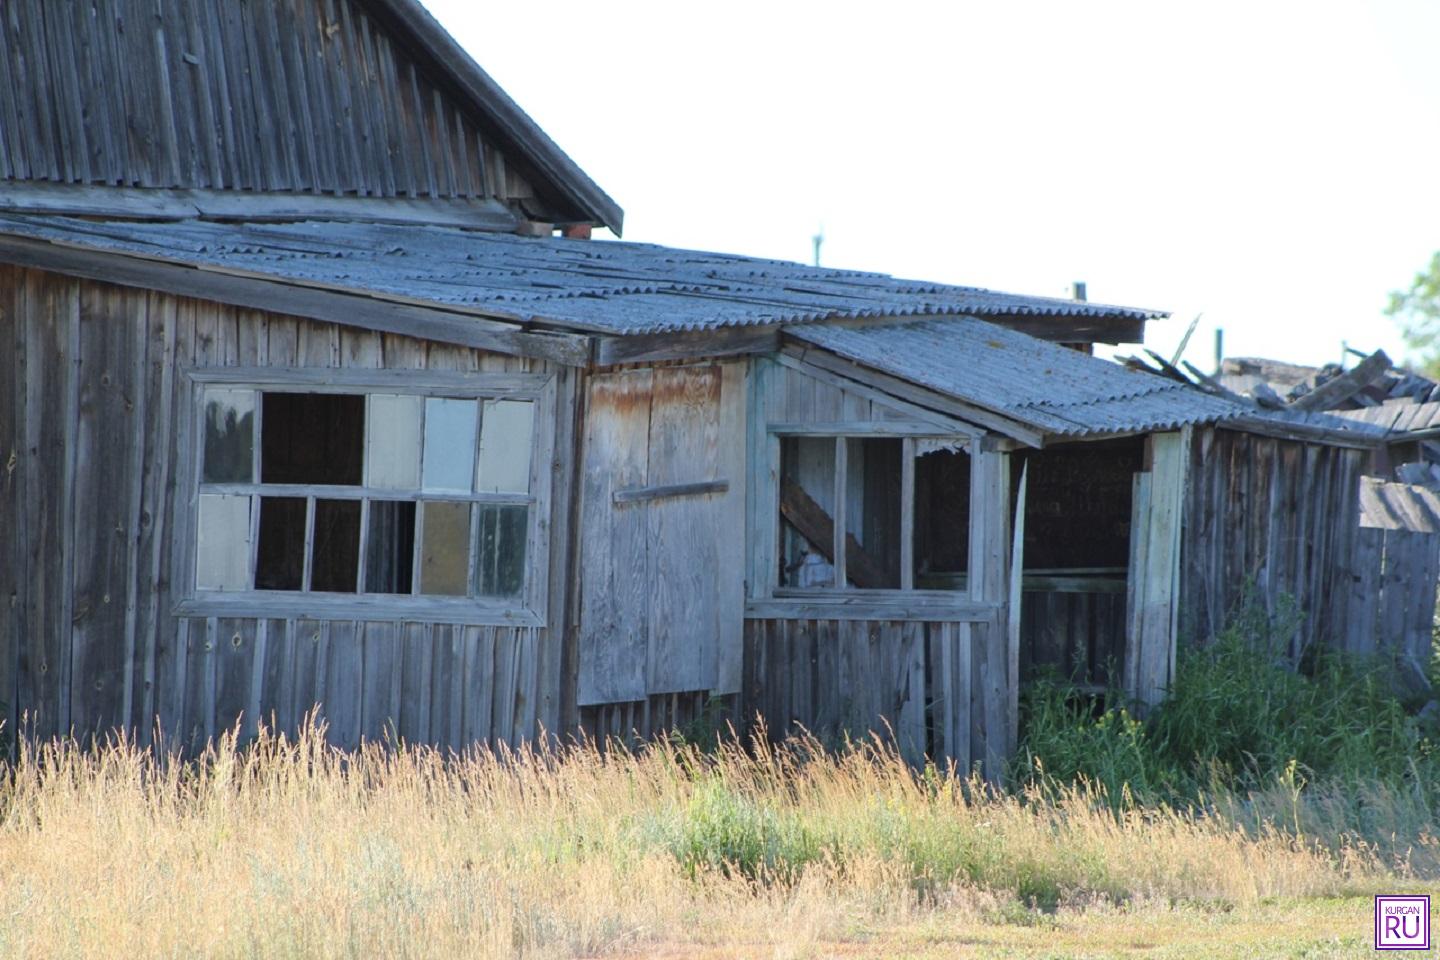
x=274, y=704
x=51, y=317
x=233, y=663
x=682, y=553
x=614, y=603
x=417, y=654
x=1017, y=579
x=12, y=548
x=104, y=485
x=731, y=530
x=1135, y=585
x=344, y=678
x=380, y=666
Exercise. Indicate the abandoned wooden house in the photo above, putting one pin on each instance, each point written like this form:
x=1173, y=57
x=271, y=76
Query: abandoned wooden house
x=313, y=391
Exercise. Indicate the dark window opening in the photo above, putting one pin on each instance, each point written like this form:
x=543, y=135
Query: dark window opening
x=390, y=550
x=312, y=438
x=335, y=559
x=280, y=554
x=942, y=518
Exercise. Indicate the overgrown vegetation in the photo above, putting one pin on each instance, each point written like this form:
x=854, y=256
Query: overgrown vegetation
x=1257, y=802
x=290, y=848
x=1239, y=720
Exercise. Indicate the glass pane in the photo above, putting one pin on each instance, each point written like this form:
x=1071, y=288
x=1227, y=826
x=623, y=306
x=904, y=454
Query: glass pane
x=280, y=555
x=942, y=515
x=390, y=549
x=505, y=435
x=229, y=435
x=316, y=438
x=335, y=563
x=392, y=442
x=222, y=554
x=807, y=499
x=449, y=445
x=872, y=512
x=500, y=550
x=444, y=548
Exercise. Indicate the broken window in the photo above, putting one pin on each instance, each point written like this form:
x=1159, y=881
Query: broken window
x=843, y=518
x=351, y=492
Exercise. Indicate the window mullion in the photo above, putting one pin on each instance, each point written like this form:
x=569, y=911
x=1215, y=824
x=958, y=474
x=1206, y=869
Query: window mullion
x=841, y=471
x=364, y=545
x=417, y=546
x=309, y=544
x=907, y=514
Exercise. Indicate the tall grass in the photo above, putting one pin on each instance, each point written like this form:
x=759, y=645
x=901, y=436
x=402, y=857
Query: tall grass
x=288, y=848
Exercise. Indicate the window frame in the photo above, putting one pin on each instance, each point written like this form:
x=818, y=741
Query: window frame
x=526, y=609
x=845, y=601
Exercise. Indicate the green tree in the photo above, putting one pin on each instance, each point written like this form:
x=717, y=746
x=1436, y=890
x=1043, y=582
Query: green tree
x=1418, y=312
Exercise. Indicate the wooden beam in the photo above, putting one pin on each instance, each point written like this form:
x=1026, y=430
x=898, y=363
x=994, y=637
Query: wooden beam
x=815, y=525
x=946, y=424
x=686, y=345
x=1304, y=432
x=918, y=395
x=1346, y=385
x=351, y=310
x=142, y=203
x=641, y=494
x=1114, y=330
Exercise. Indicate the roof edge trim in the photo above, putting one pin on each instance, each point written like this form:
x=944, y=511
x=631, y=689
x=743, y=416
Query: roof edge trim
x=513, y=122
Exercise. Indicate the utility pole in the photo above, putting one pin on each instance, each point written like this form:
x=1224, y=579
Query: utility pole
x=818, y=239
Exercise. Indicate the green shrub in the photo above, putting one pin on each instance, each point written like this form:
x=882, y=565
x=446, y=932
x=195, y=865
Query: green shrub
x=1238, y=717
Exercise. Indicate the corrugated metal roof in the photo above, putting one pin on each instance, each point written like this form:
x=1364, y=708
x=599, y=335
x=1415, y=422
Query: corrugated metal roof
x=600, y=286
x=1054, y=389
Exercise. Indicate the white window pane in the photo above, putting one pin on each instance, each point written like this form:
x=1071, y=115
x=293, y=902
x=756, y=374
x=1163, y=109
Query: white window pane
x=229, y=435
x=505, y=432
x=449, y=463
x=222, y=555
x=392, y=442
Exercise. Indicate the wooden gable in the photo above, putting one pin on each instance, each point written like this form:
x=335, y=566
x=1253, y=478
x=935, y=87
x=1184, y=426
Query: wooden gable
x=363, y=98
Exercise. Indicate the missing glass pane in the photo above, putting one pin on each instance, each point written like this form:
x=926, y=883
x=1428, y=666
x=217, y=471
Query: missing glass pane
x=449, y=460
x=335, y=562
x=312, y=438
x=444, y=548
x=942, y=516
x=229, y=436
x=280, y=554
x=807, y=510
x=500, y=550
x=390, y=547
x=872, y=512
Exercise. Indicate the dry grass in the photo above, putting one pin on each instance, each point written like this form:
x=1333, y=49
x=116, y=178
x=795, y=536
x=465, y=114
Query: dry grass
x=287, y=848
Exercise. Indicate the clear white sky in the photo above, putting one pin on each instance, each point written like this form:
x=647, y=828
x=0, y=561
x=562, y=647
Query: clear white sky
x=1274, y=164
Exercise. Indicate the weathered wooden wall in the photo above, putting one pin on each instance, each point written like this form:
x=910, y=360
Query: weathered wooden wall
x=934, y=689
x=660, y=537
x=296, y=95
x=1280, y=516
x=1080, y=634
x=89, y=401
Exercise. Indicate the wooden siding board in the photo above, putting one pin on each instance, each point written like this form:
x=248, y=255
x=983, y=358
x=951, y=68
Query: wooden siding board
x=103, y=481
x=160, y=92
x=13, y=555
x=614, y=609
x=682, y=556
